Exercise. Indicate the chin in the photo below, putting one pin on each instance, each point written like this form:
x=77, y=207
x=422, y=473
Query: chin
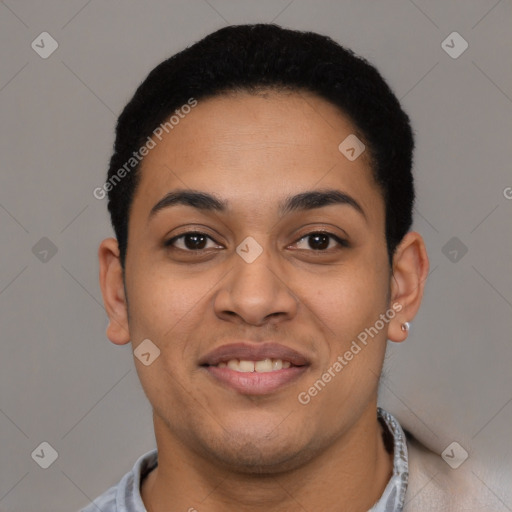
x=255, y=454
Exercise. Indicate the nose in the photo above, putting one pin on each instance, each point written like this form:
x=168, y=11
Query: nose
x=256, y=292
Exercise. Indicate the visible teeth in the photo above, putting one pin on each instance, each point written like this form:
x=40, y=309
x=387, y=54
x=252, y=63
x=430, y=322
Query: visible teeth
x=233, y=364
x=246, y=366
x=277, y=364
x=263, y=366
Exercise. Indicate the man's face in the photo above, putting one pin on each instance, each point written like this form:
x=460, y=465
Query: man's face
x=305, y=291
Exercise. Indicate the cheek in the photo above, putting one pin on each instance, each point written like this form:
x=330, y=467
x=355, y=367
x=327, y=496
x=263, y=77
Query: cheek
x=349, y=301
x=163, y=298
x=163, y=387
x=167, y=319
x=351, y=363
x=163, y=309
x=347, y=305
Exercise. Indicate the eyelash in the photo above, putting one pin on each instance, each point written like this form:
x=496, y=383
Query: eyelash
x=341, y=241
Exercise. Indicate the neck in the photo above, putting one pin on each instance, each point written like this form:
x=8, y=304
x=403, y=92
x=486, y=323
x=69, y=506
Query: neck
x=349, y=475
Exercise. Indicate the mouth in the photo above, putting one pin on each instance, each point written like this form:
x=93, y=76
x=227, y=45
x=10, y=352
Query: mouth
x=254, y=369
x=262, y=366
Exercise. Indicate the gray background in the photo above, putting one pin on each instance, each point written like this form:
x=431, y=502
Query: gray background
x=63, y=382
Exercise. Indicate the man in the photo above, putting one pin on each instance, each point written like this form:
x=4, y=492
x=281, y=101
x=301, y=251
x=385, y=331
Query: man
x=261, y=195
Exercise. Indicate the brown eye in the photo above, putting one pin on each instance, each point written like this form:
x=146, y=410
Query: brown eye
x=191, y=241
x=321, y=240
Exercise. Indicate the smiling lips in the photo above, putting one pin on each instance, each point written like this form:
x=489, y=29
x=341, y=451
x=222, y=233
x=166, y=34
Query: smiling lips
x=263, y=366
x=254, y=369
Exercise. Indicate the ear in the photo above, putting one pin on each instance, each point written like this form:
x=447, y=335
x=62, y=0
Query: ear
x=112, y=289
x=410, y=271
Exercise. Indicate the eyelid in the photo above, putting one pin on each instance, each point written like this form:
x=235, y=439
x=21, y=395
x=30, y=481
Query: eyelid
x=343, y=242
x=170, y=241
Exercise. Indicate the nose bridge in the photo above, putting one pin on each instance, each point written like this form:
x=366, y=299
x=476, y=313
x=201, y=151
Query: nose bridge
x=254, y=276
x=254, y=289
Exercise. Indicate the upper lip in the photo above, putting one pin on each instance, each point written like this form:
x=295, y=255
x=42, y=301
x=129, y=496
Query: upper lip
x=252, y=352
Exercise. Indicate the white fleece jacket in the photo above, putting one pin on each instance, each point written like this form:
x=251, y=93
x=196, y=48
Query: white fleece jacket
x=435, y=487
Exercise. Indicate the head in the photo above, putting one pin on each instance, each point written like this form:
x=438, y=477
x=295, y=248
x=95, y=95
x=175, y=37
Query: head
x=291, y=240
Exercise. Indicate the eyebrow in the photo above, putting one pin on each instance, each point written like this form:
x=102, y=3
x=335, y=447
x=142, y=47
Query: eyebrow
x=309, y=200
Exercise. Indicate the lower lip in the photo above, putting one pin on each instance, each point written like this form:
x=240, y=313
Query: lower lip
x=256, y=383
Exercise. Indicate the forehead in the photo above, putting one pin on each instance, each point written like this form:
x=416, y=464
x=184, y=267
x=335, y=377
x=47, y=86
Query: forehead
x=249, y=148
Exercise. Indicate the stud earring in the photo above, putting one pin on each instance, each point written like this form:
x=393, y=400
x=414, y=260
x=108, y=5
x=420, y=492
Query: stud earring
x=406, y=326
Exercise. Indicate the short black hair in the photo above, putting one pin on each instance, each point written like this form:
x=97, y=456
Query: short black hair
x=252, y=57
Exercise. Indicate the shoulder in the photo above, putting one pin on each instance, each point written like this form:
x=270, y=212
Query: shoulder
x=434, y=485
x=106, y=502
x=125, y=495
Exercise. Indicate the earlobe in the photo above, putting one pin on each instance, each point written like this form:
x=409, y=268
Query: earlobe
x=410, y=271
x=112, y=289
